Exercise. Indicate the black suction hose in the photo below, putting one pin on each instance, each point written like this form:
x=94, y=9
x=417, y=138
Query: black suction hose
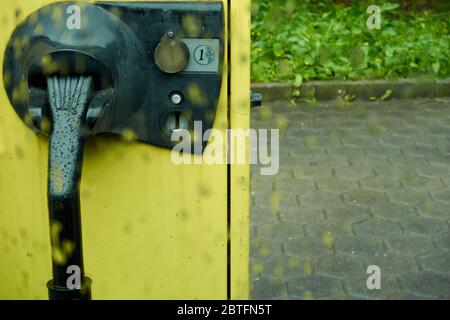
x=69, y=99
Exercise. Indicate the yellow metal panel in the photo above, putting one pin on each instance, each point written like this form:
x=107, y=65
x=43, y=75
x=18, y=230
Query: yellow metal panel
x=239, y=118
x=150, y=229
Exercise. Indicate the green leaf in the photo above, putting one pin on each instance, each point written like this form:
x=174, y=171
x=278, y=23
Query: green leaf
x=387, y=94
x=436, y=66
x=298, y=80
x=278, y=50
x=389, y=7
x=349, y=97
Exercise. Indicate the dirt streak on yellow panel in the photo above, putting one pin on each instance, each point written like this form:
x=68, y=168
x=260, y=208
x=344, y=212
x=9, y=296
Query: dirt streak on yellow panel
x=150, y=229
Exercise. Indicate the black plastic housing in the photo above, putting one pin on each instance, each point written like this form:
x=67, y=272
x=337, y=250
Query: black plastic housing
x=115, y=45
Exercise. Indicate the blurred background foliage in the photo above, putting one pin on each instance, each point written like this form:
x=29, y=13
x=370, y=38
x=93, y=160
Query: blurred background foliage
x=296, y=40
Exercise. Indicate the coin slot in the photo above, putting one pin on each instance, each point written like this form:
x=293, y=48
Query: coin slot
x=175, y=120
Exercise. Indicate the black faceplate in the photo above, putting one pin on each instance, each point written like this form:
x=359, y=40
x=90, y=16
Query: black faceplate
x=142, y=25
x=150, y=22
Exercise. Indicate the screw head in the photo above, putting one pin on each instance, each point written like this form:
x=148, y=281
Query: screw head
x=176, y=98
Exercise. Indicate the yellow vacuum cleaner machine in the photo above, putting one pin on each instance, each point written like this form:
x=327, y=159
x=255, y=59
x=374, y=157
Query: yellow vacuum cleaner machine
x=92, y=204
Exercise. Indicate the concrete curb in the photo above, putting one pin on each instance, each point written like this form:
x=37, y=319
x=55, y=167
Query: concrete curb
x=364, y=89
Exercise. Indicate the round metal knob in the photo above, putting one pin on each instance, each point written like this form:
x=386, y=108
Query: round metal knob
x=171, y=54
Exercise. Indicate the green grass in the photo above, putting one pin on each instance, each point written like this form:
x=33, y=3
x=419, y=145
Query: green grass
x=296, y=40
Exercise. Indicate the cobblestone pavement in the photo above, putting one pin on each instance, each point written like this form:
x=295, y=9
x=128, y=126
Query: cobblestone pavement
x=359, y=185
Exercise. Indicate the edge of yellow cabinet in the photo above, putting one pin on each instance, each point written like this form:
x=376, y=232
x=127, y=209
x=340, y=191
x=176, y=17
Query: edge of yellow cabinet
x=239, y=118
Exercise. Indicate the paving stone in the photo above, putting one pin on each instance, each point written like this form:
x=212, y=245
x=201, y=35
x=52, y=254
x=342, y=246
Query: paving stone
x=437, y=140
x=338, y=266
x=296, y=186
x=312, y=173
x=395, y=141
x=443, y=147
x=328, y=161
x=310, y=248
x=394, y=211
x=302, y=214
x=359, y=247
x=434, y=209
x=371, y=161
x=347, y=213
x=422, y=182
x=411, y=196
x=434, y=171
x=421, y=120
x=420, y=150
x=443, y=241
x=392, y=264
x=381, y=183
x=337, y=185
x=329, y=230
x=357, y=287
x=284, y=150
x=315, y=287
x=321, y=198
x=374, y=129
x=260, y=215
x=377, y=228
x=280, y=230
x=262, y=194
x=355, y=172
x=437, y=262
x=441, y=195
x=425, y=225
x=353, y=124
x=411, y=160
x=321, y=141
x=384, y=151
x=400, y=116
x=265, y=288
x=408, y=131
x=277, y=200
x=428, y=283
x=438, y=130
x=283, y=174
x=364, y=197
x=305, y=153
x=361, y=141
x=442, y=159
x=409, y=244
x=347, y=151
x=390, y=123
x=398, y=169
x=262, y=248
x=283, y=267
x=299, y=133
x=330, y=122
x=263, y=180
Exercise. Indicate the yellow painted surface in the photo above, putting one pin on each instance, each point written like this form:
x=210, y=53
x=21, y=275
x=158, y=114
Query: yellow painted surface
x=151, y=229
x=239, y=117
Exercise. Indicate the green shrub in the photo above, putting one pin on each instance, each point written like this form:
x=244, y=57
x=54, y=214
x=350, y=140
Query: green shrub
x=302, y=39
